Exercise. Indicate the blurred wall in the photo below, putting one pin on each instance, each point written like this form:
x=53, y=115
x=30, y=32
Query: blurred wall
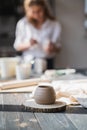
x=70, y=13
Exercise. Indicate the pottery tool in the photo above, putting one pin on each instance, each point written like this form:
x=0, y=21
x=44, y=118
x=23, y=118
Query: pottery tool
x=29, y=89
x=32, y=106
x=21, y=83
x=59, y=72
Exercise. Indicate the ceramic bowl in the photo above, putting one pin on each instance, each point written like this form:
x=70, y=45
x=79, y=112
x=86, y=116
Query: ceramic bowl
x=45, y=95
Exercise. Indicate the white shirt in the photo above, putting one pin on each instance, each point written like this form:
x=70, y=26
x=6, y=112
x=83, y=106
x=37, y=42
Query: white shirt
x=50, y=31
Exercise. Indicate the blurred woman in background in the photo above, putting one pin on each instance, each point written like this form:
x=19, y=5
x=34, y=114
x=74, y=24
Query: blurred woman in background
x=38, y=33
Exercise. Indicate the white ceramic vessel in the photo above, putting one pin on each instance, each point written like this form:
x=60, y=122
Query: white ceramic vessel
x=7, y=67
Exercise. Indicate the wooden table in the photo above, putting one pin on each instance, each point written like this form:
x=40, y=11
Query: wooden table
x=14, y=117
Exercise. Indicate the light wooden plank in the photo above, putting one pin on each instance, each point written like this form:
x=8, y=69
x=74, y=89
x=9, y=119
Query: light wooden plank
x=75, y=110
x=2, y=117
x=29, y=121
x=11, y=118
x=21, y=83
x=78, y=115
x=1, y=98
x=19, y=120
x=11, y=121
x=14, y=99
x=54, y=122
x=79, y=120
x=2, y=121
x=7, y=118
x=18, y=90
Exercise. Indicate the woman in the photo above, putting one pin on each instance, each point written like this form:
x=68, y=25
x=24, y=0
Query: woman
x=38, y=33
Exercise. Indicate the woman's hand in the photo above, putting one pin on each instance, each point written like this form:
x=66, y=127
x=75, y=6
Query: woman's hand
x=51, y=48
x=33, y=42
x=26, y=46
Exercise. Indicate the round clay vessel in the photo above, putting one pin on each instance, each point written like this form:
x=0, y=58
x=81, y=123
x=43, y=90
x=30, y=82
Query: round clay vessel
x=45, y=95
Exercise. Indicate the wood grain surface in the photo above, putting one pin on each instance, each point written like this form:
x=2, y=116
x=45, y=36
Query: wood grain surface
x=32, y=106
x=14, y=117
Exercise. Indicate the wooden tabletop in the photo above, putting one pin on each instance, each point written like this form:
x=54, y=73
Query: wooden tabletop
x=14, y=117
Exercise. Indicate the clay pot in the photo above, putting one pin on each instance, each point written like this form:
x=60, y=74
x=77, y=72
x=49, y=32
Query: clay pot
x=45, y=95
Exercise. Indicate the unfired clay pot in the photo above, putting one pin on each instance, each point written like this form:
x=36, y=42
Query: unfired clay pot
x=45, y=95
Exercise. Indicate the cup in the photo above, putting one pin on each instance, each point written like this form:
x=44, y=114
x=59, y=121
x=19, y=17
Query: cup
x=7, y=67
x=23, y=71
x=40, y=65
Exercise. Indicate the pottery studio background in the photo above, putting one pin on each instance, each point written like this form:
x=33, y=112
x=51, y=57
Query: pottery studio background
x=72, y=16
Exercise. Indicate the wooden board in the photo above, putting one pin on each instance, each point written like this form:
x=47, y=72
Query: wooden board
x=58, y=121
x=79, y=120
x=19, y=90
x=32, y=106
x=16, y=120
x=21, y=83
x=74, y=118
